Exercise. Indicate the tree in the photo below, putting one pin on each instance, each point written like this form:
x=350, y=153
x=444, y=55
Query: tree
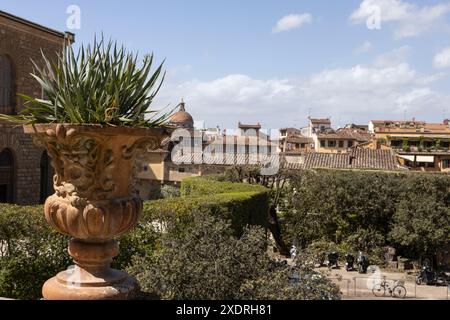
x=276, y=183
x=421, y=227
x=204, y=260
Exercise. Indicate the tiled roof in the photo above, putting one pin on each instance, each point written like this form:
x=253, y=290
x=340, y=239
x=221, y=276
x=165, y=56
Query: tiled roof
x=336, y=135
x=396, y=122
x=373, y=159
x=294, y=139
x=326, y=160
x=328, y=121
x=249, y=126
x=410, y=127
x=359, y=135
x=356, y=159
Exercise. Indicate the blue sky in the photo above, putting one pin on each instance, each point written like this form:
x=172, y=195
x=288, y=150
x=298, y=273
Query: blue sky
x=227, y=61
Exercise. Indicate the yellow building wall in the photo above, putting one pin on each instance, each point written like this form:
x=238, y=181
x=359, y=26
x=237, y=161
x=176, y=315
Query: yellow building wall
x=155, y=167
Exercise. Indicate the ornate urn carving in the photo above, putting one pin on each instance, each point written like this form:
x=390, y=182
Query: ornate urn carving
x=95, y=201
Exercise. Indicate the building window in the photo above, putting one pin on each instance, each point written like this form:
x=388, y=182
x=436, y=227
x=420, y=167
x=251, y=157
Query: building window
x=303, y=146
x=322, y=143
x=47, y=172
x=331, y=143
x=181, y=170
x=6, y=176
x=425, y=165
x=6, y=86
x=446, y=164
x=396, y=143
x=429, y=144
x=341, y=144
x=350, y=143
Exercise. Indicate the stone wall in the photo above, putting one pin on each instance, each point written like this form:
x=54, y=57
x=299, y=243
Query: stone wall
x=21, y=42
x=27, y=158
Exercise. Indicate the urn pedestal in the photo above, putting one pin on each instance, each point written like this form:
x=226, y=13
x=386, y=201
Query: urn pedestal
x=95, y=201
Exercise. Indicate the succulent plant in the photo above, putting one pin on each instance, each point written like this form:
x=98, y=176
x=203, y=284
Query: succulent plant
x=101, y=83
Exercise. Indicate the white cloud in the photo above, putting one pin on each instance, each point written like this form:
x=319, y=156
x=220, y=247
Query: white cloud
x=442, y=59
x=410, y=19
x=414, y=96
x=292, y=21
x=393, y=57
x=391, y=10
x=365, y=47
x=351, y=94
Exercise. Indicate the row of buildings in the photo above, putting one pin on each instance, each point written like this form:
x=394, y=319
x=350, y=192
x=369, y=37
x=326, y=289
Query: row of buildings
x=379, y=145
x=417, y=145
x=26, y=174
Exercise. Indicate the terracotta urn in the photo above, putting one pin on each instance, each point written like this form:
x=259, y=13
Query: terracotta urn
x=95, y=201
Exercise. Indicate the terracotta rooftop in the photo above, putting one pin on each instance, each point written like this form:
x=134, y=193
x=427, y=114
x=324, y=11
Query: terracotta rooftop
x=373, y=159
x=181, y=118
x=249, y=126
x=297, y=139
x=345, y=134
x=359, y=135
x=409, y=127
x=357, y=159
x=324, y=121
x=290, y=129
x=235, y=139
x=397, y=122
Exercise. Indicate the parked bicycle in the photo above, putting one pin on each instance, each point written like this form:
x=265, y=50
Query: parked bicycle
x=398, y=290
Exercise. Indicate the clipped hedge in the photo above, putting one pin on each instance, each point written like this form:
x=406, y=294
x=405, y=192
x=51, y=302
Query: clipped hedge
x=31, y=251
x=241, y=204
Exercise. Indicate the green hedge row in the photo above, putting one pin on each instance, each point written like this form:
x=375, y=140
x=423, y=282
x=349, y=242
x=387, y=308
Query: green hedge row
x=31, y=251
x=241, y=204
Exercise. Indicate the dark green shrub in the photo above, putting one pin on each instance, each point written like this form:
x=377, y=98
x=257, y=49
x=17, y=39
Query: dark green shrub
x=367, y=210
x=32, y=252
x=370, y=242
x=168, y=191
x=421, y=223
x=204, y=260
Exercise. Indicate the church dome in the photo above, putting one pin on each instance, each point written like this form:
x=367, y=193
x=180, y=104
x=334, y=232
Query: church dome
x=181, y=118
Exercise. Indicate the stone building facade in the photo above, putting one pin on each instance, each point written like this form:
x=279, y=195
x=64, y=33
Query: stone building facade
x=25, y=172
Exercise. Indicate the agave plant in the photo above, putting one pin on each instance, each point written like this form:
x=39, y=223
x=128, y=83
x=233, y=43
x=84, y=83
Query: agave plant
x=100, y=84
